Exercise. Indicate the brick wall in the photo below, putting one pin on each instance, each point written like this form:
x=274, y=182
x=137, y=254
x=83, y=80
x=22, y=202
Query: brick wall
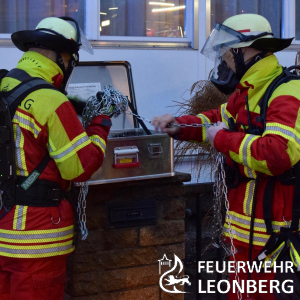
x=122, y=264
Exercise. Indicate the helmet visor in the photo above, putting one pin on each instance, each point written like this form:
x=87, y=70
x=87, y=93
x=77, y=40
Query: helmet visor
x=82, y=41
x=220, y=40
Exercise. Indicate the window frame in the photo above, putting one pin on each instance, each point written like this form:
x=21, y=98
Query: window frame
x=93, y=20
x=288, y=28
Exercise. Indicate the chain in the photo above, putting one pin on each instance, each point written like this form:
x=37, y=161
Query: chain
x=220, y=190
x=194, y=125
x=137, y=116
x=81, y=207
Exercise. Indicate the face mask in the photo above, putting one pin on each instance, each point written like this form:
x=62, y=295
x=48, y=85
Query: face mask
x=224, y=78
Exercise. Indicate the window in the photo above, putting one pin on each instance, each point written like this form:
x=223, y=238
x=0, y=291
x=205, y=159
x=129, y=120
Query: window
x=157, y=21
x=270, y=9
x=25, y=14
x=152, y=18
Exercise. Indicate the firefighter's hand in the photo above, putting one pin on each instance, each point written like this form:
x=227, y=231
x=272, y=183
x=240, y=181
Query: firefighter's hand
x=162, y=123
x=212, y=131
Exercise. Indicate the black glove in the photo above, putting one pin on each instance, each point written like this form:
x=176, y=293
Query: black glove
x=78, y=105
x=281, y=277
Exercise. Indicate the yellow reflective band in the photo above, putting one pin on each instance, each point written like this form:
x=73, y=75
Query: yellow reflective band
x=27, y=123
x=247, y=205
x=16, y=217
x=71, y=148
x=295, y=256
x=98, y=141
x=34, y=247
x=20, y=217
x=250, y=173
x=259, y=224
x=35, y=251
x=243, y=236
x=204, y=120
x=24, y=217
x=36, y=231
x=245, y=150
x=33, y=239
x=274, y=255
x=282, y=130
x=225, y=114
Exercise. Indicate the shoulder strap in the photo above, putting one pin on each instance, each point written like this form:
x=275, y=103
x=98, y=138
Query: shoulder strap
x=9, y=102
x=28, y=85
x=3, y=72
x=284, y=77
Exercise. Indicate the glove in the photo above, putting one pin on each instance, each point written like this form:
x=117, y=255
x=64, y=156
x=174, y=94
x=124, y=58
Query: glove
x=106, y=108
x=281, y=277
x=78, y=105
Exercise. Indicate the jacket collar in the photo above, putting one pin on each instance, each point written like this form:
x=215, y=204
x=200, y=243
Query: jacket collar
x=37, y=65
x=260, y=75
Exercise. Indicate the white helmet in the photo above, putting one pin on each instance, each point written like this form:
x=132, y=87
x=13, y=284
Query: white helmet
x=240, y=31
x=243, y=31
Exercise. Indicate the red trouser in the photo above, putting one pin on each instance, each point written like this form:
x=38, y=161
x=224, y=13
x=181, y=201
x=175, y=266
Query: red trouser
x=32, y=279
x=242, y=255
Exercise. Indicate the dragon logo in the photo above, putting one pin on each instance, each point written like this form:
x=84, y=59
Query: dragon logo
x=171, y=280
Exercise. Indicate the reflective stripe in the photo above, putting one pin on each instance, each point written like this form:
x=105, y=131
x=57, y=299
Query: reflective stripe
x=20, y=154
x=37, y=238
x=284, y=131
x=273, y=255
x=224, y=116
x=36, y=251
x=98, y=141
x=5, y=231
x=241, y=235
x=246, y=148
x=259, y=224
x=71, y=148
x=23, y=224
x=204, y=120
x=20, y=217
x=247, y=206
x=249, y=172
x=295, y=257
x=26, y=123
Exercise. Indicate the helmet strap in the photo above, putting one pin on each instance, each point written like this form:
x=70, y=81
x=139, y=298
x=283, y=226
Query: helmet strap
x=67, y=72
x=240, y=65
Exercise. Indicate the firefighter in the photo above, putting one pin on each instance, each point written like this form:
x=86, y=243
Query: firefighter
x=36, y=234
x=242, y=48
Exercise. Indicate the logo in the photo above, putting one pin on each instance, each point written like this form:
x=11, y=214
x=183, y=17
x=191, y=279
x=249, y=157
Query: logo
x=171, y=280
x=30, y=180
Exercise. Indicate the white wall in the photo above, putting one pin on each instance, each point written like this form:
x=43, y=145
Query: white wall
x=160, y=76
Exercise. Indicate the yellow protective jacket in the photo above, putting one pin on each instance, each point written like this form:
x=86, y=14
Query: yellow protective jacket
x=46, y=122
x=272, y=153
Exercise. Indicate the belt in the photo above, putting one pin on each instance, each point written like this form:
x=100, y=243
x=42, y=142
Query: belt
x=42, y=193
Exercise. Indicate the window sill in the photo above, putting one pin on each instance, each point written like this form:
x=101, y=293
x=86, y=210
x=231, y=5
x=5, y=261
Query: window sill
x=123, y=44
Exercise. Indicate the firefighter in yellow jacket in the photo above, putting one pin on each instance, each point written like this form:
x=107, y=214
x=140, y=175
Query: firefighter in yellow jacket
x=36, y=235
x=242, y=49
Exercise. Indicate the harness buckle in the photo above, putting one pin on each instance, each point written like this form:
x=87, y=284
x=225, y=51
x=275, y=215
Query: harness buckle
x=54, y=194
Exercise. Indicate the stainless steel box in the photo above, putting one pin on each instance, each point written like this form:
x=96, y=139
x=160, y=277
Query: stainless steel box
x=135, y=157
x=131, y=154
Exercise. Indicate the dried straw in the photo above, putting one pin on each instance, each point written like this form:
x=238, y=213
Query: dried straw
x=204, y=96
